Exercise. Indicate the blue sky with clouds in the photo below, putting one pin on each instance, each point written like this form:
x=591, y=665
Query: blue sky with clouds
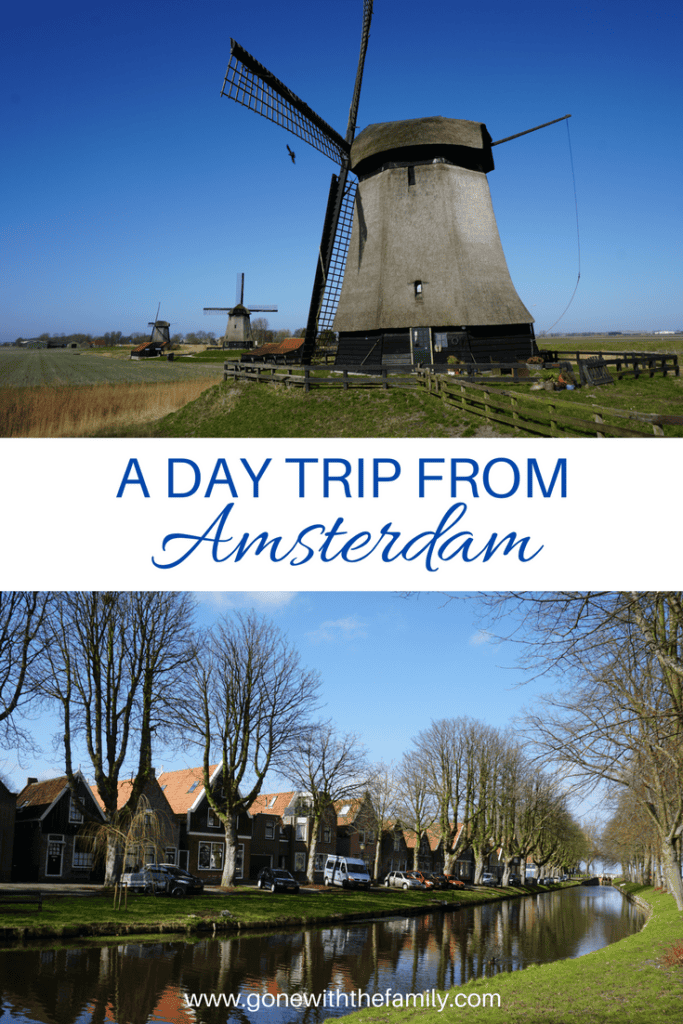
x=128, y=181
x=389, y=665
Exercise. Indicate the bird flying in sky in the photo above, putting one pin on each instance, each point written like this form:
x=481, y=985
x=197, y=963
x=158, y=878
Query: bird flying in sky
x=292, y=154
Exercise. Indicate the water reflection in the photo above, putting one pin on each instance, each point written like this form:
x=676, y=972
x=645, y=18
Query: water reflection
x=134, y=983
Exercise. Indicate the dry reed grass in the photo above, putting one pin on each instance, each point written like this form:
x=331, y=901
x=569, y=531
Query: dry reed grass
x=83, y=410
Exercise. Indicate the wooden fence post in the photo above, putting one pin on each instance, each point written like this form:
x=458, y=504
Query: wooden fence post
x=346, y=379
x=385, y=381
x=598, y=419
x=307, y=370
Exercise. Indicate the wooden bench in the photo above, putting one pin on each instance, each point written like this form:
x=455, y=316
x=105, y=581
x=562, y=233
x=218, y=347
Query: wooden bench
x=20, y=896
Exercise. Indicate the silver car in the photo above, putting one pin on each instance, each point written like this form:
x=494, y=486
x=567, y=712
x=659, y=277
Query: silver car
x=403, y=880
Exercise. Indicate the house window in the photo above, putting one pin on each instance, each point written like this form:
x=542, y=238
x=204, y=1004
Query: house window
x=299, y=861
x=150, y=855
x=211, y=819
x=239, y=861
x=411, y=175
x=361, y=836
x=210, y=856
x=327, y=835
x=301, y=829
x=320, y=859
x=170, y=855
x=82, y=857
x=418, y=289
x=75, y=816
x=397, y=843
x=270, y=831
x=193, y=787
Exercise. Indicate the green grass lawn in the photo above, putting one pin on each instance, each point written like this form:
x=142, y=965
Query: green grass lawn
x=71, y=915
x=624, y=983
x=55, y=367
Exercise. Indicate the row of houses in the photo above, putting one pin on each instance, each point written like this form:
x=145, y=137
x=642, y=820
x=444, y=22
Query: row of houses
x=45, y=837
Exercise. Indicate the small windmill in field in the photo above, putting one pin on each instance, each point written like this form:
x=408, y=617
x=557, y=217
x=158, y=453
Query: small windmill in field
x=238, y=331
x=411, y=267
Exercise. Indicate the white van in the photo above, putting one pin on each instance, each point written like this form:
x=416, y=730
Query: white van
x=348, y=872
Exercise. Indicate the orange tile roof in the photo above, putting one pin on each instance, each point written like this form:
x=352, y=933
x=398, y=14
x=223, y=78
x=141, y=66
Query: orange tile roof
x=177, y=787
x=280, y=347
x=280, y=801
x=122, y=796
x=354, y=806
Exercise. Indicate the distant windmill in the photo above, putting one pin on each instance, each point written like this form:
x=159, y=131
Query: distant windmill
x=238, y=331
x=426, y=275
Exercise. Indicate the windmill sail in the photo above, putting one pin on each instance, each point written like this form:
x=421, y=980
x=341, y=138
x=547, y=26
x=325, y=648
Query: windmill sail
x=254, y=86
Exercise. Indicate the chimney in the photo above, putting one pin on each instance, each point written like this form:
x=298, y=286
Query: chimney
x=30, y=782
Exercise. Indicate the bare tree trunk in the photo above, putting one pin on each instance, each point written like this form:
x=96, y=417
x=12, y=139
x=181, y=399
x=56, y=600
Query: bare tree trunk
x=672, y=871
x=312, y=848
x=230, y=865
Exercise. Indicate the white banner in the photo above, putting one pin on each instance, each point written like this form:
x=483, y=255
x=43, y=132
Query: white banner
x=340, y=514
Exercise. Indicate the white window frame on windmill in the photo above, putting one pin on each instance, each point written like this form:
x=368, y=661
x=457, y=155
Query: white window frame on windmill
x=414, y=336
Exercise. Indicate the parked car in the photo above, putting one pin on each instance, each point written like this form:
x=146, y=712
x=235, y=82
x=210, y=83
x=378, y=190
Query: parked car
x=454, y=882
x=163, y=879
x=424, y=877
x=438, y=880
x=277, y=880
x=403, y=880
x=488, y=879
x=348, y=872
x=514, y=880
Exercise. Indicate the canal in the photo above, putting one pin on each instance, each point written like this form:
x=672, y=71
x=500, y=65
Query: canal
x=136, y=983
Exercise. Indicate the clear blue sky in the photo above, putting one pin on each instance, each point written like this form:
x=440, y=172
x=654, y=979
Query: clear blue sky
x=127, y=180
x=389, y=665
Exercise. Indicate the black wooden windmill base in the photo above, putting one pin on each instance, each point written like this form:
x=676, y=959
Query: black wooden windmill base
x=509, y=343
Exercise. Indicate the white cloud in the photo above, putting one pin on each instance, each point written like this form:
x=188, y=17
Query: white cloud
x=266, y=600
x=480, y=637
x=333, y=630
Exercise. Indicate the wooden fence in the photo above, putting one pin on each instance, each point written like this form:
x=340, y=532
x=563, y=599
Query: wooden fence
x=534, y=414
x=543, y=415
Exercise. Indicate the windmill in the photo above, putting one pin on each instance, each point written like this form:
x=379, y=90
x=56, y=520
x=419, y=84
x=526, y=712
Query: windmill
x=410, y=268
x=238, y=331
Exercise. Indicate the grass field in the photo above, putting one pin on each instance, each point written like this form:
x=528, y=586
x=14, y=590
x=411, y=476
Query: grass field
x=71, y=393
x=86, y=393
x=66, y=915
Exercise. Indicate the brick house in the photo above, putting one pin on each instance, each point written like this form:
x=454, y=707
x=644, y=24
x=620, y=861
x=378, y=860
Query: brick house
x=287, y=839
x=160, y=844
x=8, y=804
x=201, y=836
x=356, y=830
x=51, y=836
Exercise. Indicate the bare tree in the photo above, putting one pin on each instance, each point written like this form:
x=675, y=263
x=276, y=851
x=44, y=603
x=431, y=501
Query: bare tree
x=417, y=810
x=247, y=704
x=22, y=614
x=382, y=791
x=326, y=767
x=439, y=752
x=114, y=658
x=617, y=714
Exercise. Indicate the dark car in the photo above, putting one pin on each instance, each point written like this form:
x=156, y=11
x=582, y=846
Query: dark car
x=277, y=880
x=438, y=880
x=163, y=879
x=514, y=880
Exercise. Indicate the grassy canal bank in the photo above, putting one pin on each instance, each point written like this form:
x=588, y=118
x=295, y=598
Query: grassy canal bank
x=68, y=915
x=638, y=980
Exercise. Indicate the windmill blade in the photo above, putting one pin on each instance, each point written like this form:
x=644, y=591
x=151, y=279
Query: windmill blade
x=251, y=84
x=239, y=294
x=262, y=309
x=217, y=309
x=365, y=35
x=337, y=266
